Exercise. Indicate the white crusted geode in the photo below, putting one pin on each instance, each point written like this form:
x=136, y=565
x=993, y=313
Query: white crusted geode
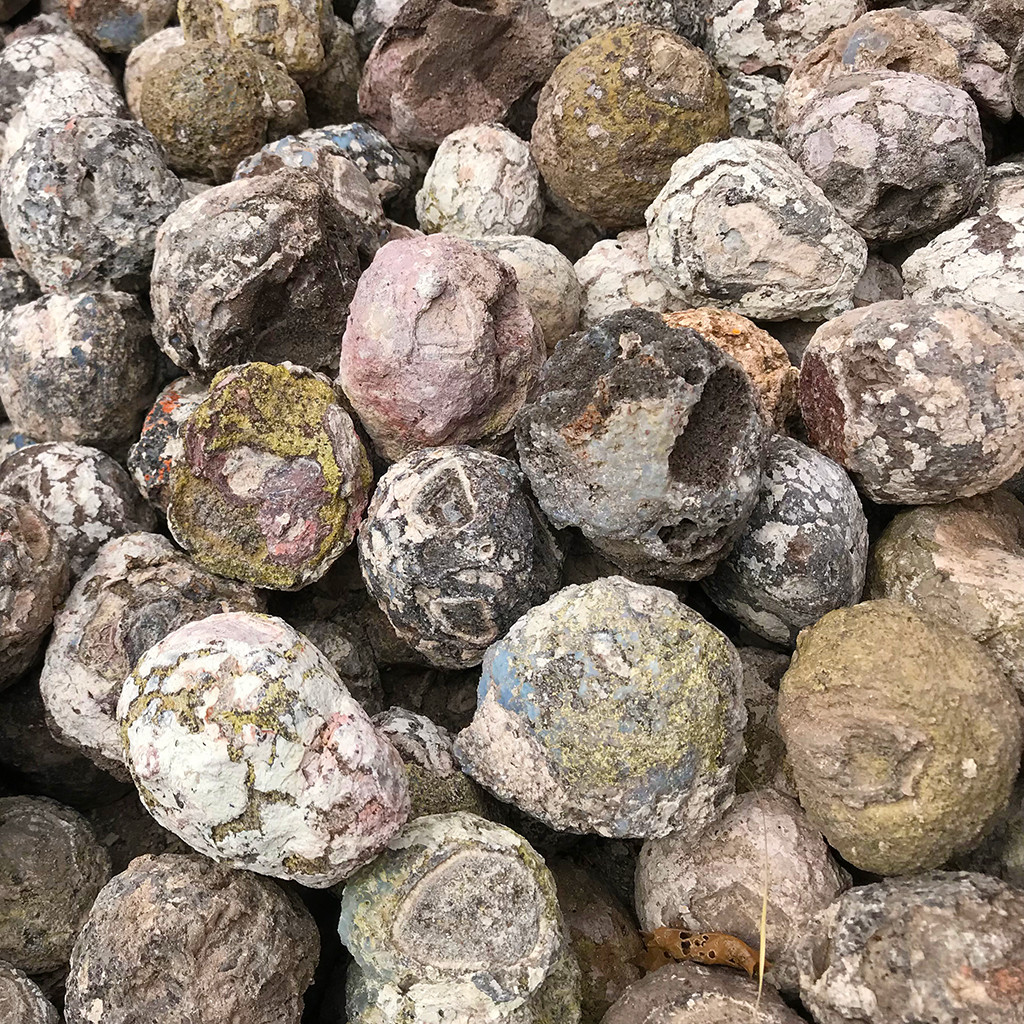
x=244, y=743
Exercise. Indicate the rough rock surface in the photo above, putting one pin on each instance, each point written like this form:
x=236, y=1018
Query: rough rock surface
x=143, y=58
x=1001, y=19
x=116, y=26
x=763, y=763
x=332, y=93
x=21, y=1001
x=752, y=103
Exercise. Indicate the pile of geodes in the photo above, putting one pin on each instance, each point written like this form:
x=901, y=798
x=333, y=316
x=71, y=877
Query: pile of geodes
x=509, y=512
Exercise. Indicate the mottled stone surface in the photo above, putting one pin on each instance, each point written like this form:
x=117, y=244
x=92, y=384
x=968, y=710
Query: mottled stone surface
x=258, y=269
x=439, y=348
x=921, y=402
x=1004, y=185
x=1002, y=19
x=483, y=181
x=283, y=774
x=752, y=103
x=790, y=254
x=803, y=550
x=87, y=496
x=647, y=438
x=180, y=940
x=763, y=763
x=138, y=589
x=21, y=1000
x=81, y=202
x=33, y=582
x=612, y=708
x=1016, y=76
x=16, y=287
x=51, y=868
x=144, y=58
x=273, y=481
x=716, y=882
x=897, y=154
x=944, y=947
x=902, y=734
x=332, y=92
x=578, y=20
x=617, y=112
x=1001, y=853
x=115, y=26
x=440, y=66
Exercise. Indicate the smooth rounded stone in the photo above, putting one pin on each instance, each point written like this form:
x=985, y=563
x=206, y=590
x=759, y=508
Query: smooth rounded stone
x=440, y=66
x=144, y=58
x=924, y=169
x=178, y=939
x=258, y=269
x=802, y=552
x=127, y=830
x=138, y=589
x=616, y=275
x=439, y=349
x=116, y=26
x=285, y=775
x=273, y=481
x=16, y=287
x=51, y=869
x=921, y=402
x=961, y=563
x=209, y=106
x=159, y=445
x=546, y=281
x=612, y=708
x=78, y=368
x=83, y=492
x=765, y=360
x=617, y=112
x=880, y=282
x=332, y=91
x=461, y=913
x=452, y=551
x=648, y=439
x=689, y=994
x=752, y=103
x=790, y=254
x=902, y=734
x=763, y=762
x=483, y=181
x=22, y=1001
x=944, y=947
x=33, y=582
x=81, y=202
x=717, y=882
x=899, y=40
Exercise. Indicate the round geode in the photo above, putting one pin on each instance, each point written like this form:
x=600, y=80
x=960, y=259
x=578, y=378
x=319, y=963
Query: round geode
x=647, y=438
x=452, y=551
x=612, y=708
x=139, y=589
x=273, y=480
x=280, y=772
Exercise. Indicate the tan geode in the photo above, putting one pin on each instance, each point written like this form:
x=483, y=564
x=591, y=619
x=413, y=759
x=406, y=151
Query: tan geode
x=903, y=735
x=617, y=112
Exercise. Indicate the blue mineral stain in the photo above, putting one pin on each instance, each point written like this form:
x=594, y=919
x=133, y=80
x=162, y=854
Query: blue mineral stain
x=864, y=38
x=79, y=355
x=514, y=693
x=122, y=31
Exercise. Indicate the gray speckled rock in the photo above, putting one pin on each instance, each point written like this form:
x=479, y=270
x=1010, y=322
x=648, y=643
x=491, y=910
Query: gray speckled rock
x=179, y=940
x=612, y=708
x=1016, y=76
x=138, y=589
x=752, y=102
x=789, y=253
x=715, y=882
x=803, y=550
x=453, y=552
x=880, y=282
x=945, y=947
x=578, y=20
x=87, y=496
x=1004, y=185
x=21, y=1001
x=81, y=201
x=647, y=438
x=897, y=154
x=921, y=402
x=16, y=287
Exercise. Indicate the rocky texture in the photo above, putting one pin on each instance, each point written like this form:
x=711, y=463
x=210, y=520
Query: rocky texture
x=179, y=940
x=84, y=493
x=440, y=66
x=258, y=269
x=902, y=734
x=454, y=552
x=763, y=763
x=790, y=254
x=1004, y=185
x=617, y=112
x=752, y=103
x=273, y=481
x=803, y=550
x=921, y=402
x=897, y=154
x=116, y=26
x=647, y=438
x=283, y=774
x=880, y=282
x=716, y=882
x=612, y=708
x=439, y=347
x=144, y=58
x=81, y=202
x=579, y=20
x=21, y=1000
x=128, y=831
x=332, y=92
x=961, y=932
x=1001, y=852
x=1016, y=76
x=138, y=589
x=16, y=287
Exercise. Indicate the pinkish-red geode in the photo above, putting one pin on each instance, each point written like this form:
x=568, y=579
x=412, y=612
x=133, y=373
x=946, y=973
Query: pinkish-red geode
x=440, y=348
